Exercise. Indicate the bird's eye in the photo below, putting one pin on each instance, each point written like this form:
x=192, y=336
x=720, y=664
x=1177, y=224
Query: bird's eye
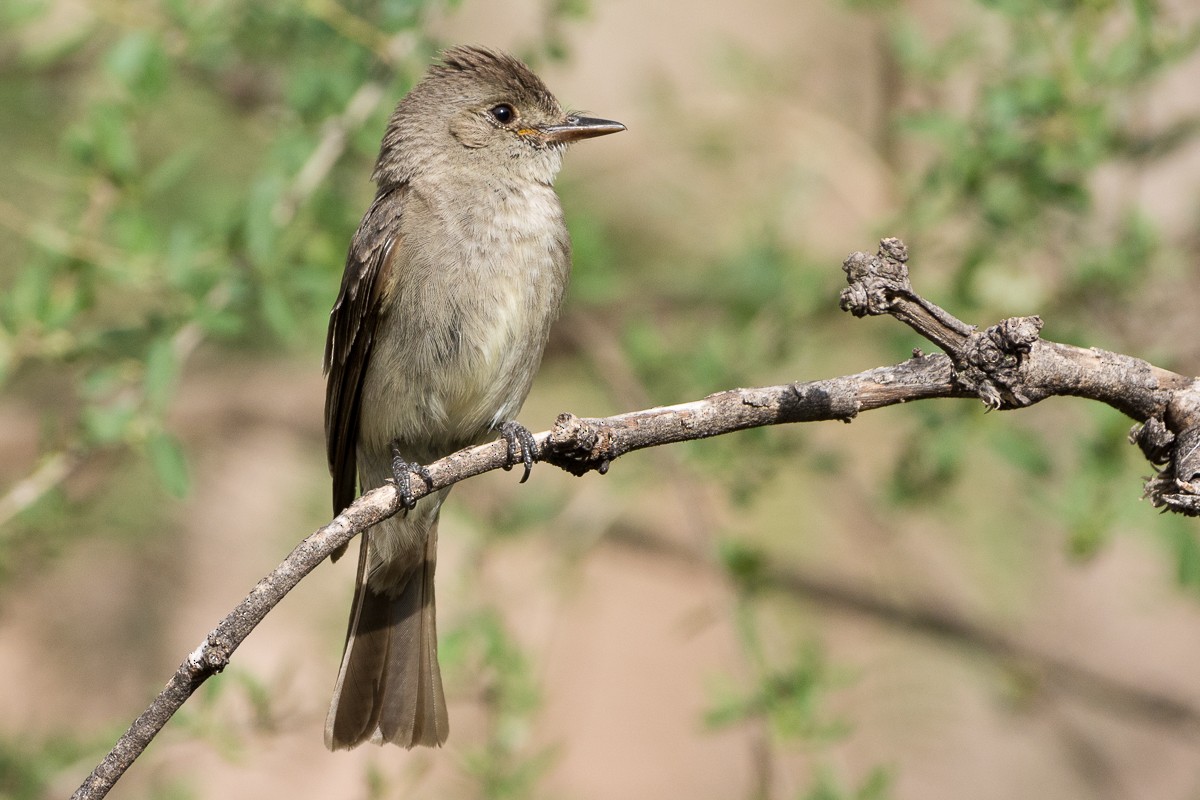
x=503, y=113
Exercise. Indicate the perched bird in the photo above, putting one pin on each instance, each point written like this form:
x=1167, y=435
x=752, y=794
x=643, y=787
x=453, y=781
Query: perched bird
x=452, y=281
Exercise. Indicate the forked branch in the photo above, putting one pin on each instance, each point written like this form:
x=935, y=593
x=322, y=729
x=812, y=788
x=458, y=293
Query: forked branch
x=1007, y=366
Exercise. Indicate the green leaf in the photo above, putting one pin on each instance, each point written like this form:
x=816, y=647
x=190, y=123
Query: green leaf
x=179, y=260
x=827, y=787
x=63, y=303
x=107, y=424
x=745, y=566
x=173, y=169
x=27, y=297
x=277, y=311
x=262, y=234
x=138, y=63
x=161, y=372
x=104, y=142
x=21, y=12
x=169, y=462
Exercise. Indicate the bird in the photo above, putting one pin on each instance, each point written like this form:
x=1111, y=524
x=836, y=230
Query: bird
x=452, y=281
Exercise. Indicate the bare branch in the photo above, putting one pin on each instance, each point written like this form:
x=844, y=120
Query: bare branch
x=335, y=134
x=1010, y=366
x=52, y=471
x=1007, y=366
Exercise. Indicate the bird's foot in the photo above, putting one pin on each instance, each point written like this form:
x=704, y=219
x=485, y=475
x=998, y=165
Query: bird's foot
x=522, y=448
x=401, y=470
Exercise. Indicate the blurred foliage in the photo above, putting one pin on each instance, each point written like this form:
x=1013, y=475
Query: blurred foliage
x=999, y=131
x=183, y=177
x=827, y=787
x=29, y=766
x=505, y=766
x=788, y=695
x=180, y=212
x=1053, y=100
x=1009, y=198
x=788, y=699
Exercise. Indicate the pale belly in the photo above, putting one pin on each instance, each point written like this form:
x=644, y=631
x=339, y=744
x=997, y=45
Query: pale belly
x=456, y=353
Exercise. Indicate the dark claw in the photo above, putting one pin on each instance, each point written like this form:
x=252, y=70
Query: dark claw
x=515, y=434
x=400, y=475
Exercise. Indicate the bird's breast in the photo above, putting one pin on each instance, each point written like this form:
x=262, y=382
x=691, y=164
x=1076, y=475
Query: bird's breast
x=473, y=292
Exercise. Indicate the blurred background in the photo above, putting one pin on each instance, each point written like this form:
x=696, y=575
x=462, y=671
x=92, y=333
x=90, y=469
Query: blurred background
x=931, y=602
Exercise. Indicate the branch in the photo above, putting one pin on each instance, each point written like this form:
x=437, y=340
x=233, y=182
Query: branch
x=1009, y=366
x=1006, y=366
x=52, y=471
x=335, y=134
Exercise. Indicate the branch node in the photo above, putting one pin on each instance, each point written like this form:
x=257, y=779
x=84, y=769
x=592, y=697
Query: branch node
x=213, y=656
x=1176, y=487
x=578, y=446
x=875, y=281
x=894, y=249
x=824, y=400
x=1154, y=439
x=990, y=361
x=1187, y=457
x=757, y=399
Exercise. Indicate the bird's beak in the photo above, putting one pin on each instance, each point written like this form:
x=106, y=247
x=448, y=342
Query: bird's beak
x=575, y=128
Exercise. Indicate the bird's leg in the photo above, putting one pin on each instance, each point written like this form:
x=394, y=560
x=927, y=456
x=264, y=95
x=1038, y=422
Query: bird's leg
x=400, y=475
x=517, y=435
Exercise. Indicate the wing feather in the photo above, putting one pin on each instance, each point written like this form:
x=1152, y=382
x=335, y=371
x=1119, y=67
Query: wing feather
x=351, y=335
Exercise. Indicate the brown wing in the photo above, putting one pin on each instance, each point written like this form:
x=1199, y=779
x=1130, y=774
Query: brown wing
x=352, y=334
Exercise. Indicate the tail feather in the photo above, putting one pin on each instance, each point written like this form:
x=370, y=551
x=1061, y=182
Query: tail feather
x=414, y=709
x=389, y=688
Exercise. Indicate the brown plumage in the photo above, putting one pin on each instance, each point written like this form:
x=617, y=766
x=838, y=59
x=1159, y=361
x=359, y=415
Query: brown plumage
x=452, y=281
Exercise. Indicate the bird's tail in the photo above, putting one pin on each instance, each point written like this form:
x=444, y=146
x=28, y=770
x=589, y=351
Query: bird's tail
x=389, y=688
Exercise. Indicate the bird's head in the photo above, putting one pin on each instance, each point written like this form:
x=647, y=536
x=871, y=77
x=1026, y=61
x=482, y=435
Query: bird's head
x=486, y=111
